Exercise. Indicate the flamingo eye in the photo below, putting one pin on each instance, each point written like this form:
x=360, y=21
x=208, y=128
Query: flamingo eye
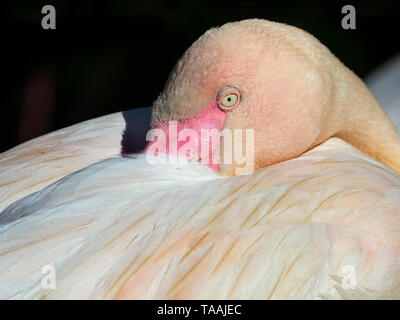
x=228, y=98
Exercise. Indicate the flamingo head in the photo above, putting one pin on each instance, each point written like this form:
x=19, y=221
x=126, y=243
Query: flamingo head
x=266, y=81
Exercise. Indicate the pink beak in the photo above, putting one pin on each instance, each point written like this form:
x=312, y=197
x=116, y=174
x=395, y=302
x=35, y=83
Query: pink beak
x=194, y=144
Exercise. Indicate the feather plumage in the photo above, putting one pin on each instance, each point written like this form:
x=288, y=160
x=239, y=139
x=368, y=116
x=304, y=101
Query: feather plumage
x=286, y=231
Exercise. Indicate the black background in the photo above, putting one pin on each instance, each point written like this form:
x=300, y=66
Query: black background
x=108, y=56
x=251, y=309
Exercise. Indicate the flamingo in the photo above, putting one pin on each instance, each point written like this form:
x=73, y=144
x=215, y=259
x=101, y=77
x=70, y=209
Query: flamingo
x=317, y=218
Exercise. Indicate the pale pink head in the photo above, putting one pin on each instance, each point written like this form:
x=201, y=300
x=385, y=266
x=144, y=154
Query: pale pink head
x=277, y=73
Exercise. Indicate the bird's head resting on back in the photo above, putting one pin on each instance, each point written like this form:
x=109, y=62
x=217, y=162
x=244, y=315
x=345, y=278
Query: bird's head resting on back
x=290, y=89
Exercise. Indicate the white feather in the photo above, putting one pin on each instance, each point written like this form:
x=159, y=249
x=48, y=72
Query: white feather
x=123, y=228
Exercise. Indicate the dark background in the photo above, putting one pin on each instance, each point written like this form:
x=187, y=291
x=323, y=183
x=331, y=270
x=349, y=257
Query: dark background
x=108, y=56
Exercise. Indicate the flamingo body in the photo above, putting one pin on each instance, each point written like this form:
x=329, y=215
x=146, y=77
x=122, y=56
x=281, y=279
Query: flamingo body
x=286, y=232
x=37, y=163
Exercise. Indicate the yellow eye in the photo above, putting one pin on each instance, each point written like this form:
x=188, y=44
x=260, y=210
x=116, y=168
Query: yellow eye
x=228, y=98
